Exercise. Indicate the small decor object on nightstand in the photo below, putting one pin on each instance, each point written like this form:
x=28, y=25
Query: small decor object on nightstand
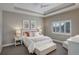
x=18, y=37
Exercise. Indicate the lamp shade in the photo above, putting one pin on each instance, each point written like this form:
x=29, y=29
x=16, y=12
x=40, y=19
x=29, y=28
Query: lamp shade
x=18, y=32
x=39, y=29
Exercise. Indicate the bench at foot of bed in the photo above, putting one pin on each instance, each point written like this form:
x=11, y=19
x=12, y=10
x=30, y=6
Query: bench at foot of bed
x=45, y=49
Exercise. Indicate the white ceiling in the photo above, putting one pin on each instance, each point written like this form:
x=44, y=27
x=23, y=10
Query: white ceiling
x=38, y=9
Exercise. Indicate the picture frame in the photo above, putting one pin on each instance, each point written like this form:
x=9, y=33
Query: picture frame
x=26, y=24
x=33, y=24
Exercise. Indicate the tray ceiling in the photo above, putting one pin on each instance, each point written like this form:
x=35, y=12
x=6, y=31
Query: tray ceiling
x=40, y=9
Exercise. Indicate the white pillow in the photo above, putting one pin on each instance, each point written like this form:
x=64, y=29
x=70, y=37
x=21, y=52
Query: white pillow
x=38, y=34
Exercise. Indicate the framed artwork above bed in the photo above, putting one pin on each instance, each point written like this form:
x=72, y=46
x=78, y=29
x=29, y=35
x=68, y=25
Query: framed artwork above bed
x=33, y=24
x=29, y=24
x=26, y=24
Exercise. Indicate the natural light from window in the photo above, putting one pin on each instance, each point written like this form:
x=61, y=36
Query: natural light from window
x=62, y=27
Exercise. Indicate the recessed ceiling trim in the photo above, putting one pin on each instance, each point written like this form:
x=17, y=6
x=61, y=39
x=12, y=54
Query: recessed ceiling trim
x=63, y=10
x=22, y=12
x=21, y=9
x=63, y=6
x=24, y=7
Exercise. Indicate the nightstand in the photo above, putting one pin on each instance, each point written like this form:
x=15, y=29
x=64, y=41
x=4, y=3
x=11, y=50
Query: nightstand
x=18, y=41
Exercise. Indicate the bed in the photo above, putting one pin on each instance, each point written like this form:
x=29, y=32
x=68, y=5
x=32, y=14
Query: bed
x=37, y=41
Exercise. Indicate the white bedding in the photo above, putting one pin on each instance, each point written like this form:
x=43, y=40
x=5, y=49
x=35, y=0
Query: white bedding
x=32, y=42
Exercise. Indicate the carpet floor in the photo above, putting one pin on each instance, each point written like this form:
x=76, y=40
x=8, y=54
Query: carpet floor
x=22, y=50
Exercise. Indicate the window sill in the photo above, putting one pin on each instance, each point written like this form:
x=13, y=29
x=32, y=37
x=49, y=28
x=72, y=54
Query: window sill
x=62, y=33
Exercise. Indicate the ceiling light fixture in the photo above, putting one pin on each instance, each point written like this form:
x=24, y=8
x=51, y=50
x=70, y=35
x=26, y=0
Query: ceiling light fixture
x=44, y=5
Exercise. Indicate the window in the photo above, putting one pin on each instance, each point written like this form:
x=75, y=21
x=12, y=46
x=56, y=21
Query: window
x=62, y=24
x=57, y=27
x=61, y=27
x=67, y=27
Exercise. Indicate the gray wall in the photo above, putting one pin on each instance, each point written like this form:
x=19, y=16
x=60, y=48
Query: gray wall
x=12, y=20
x=0, y=30
x=71, y=15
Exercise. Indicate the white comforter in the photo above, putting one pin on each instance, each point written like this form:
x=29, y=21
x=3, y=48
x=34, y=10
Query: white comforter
x=32, y=42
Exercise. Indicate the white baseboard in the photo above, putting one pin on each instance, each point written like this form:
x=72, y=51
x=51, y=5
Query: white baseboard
x=5, y=45
x=58, y=41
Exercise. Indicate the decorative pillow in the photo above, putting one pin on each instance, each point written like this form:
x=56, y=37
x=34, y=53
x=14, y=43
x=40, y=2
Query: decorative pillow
x=38, y=34
x=26, y=34
x=31, y=34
